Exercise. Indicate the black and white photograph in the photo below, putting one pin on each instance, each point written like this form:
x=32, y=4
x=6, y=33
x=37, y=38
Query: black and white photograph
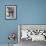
x=10, y=12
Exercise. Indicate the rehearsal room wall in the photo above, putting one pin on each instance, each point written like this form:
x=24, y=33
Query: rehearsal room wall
x=28, y=12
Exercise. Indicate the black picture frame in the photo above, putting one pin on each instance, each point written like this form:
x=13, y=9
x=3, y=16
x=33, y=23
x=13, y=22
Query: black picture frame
x=7, y=17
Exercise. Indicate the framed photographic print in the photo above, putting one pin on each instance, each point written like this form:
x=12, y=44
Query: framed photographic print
x=10, y=12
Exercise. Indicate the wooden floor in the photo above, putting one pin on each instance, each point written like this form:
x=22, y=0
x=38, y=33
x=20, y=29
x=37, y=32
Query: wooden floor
x=30, y=43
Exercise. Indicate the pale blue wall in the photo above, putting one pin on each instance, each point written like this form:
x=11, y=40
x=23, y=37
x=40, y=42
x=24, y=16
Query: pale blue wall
x=28, y=12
